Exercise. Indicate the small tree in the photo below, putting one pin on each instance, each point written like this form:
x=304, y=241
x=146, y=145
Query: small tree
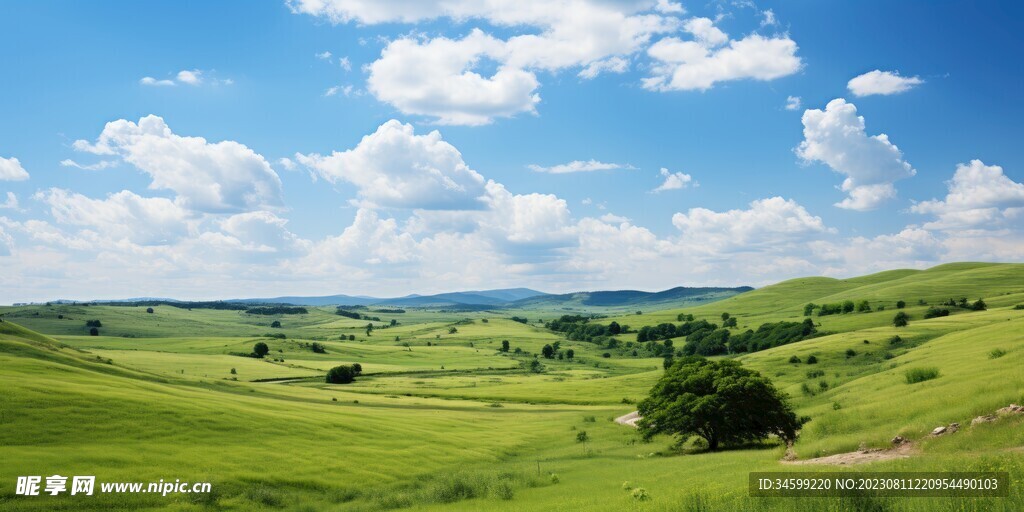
x=848, y=306
x=725, y=316
x=357, y=368
x=809, y=309
x=394, y=322
x=570, y=353
x=900, y=304
x=276, y=324
x=93, y=323
x=452, y=330
x=812, y=360
x=351, y=337
x=504, y=345
x=343, y=374
x=979, y=305
x=548, y=351
x=729, y=322
x=719, y=401
x=614, y=328
x=863, y=306
x=149, y=310
x=318, y=348
x=901, y=319
x=260, y=349
x=94, y=332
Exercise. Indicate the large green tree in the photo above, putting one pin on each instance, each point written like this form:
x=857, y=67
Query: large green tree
x=719, y=401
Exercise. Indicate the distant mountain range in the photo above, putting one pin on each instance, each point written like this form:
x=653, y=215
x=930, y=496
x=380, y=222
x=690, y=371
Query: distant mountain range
x=519, y=297
x=497, y=299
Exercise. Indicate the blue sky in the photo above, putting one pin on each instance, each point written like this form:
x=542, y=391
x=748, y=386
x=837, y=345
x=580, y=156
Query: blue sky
x=752, y=191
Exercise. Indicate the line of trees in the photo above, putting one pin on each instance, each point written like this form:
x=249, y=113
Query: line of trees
x=277, y=310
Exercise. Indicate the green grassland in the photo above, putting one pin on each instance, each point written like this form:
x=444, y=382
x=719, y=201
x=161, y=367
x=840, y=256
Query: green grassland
x=444, y=420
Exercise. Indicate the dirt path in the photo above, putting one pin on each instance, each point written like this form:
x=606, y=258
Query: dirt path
x=629, y=419
x=902, y=451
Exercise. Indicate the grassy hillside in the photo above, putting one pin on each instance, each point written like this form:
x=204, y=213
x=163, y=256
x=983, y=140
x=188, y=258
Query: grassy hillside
x=442, y=419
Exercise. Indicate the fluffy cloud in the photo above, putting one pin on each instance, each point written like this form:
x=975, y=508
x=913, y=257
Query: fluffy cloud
x=980, y=196
x=579, y=166
x=767, y=223
x=216, y=177
x=793, y=103
x=443, y=77
x=836, y=136
x=394, y=167
x=712, y=57
x=190, y=76
x=881, y=82
x=436, y=78
x=11, y=170
x=121, y=216
x=673, y=180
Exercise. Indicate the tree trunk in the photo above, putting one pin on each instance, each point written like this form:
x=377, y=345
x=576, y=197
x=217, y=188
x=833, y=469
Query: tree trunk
x=712, y=443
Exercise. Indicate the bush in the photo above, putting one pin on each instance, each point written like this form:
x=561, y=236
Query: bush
x=979, y=305
x=1019, y=307
x=149, y=310
x=915, y=375
x=894, y=340
x=94, y=332
x=260, y=349
x=794, y=360
x=900, y=320
x=234, y=372
x=812, y=360
x=850, y=353
x=318, y=348
x=996, y=353
x=606, y=355
x=640, y=494
x=900, y=304
x=276, y=324
x=93, y=323
x=815, y=374
x=343, y=374
x=934, y=312
x=582, y=437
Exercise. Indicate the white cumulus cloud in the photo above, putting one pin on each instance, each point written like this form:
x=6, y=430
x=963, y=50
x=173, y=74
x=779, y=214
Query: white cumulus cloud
x=11, y=170
x=673, y=180
x=980, y=196
x=221, y=176
x=836, y=136
x=394, y=167
x=882, y=82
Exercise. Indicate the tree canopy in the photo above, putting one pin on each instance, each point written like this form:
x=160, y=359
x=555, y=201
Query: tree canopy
x=719, y=401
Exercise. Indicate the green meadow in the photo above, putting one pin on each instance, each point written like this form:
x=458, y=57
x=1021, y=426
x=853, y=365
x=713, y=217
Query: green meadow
x=442, y=419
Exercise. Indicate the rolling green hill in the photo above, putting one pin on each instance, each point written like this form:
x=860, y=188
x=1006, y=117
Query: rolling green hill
x=443, y=419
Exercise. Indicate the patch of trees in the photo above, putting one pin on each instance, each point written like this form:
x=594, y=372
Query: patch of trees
x=719, y=401
x=348, y=314
x=580, y=328
x=93, y=323
x=934, y=312
x=771, y=335
x=520, y=319
x=344, y=374
x=978, y=305
x=668, y=330
x=277, y=310
x=847, y=306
